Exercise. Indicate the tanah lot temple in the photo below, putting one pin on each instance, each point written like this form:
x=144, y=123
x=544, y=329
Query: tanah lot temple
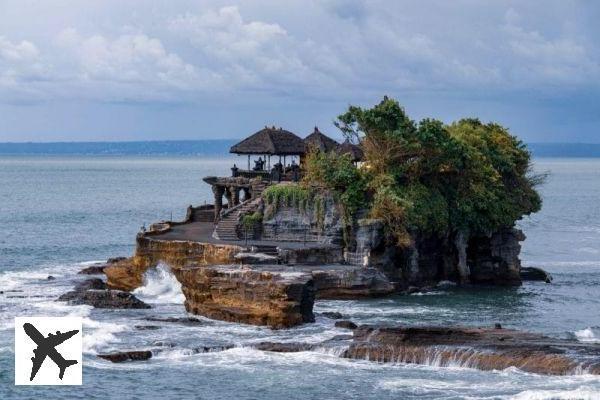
x=273, y=155
x=268, y=247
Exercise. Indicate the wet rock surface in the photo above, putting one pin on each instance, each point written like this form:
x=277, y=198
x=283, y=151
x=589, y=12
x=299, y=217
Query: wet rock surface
x=277, y=347
x=93, y=292
x=346, y=324
x=479, y=348
x=118, y=357
x=535, y=274
x=332, y=315
x=183, y=320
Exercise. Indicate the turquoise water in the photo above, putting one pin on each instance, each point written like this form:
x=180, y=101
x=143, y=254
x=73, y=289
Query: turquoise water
x=58, y=214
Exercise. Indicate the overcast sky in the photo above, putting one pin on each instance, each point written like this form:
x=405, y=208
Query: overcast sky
x=140, y=69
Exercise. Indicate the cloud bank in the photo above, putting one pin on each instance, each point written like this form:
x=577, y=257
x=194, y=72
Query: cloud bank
x=186, y=54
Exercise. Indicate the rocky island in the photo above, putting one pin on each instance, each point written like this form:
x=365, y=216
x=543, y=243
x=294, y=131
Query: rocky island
x=398, y=207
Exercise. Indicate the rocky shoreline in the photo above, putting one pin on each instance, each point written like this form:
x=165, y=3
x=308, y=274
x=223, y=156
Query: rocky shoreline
x=275, y=296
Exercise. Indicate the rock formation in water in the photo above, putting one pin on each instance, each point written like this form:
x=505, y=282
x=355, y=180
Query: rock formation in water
x=93, y=292
x=480, y=348
x=256, y=296
x=275, y=295
x=137, y=355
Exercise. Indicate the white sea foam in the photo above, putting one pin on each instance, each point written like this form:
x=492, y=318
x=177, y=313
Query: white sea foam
x=589, y=335
x=97, y=334
x=581, y=393
x=160, y=286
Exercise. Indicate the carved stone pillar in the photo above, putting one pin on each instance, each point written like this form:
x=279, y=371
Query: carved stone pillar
x=229, y=197
x=218, y=192
x=246, y=193
x=235, y=195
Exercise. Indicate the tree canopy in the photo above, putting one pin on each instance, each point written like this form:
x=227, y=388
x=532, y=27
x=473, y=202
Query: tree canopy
x=429, y=177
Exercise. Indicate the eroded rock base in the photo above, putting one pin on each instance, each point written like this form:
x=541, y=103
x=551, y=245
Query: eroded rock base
x=479, y=348
x=258, y=295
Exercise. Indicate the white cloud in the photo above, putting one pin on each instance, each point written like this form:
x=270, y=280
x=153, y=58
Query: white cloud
x=256, y=54
x=137, y=65
x=16, y=52
x=300, y=50
x=20, y=69
x=538, y=59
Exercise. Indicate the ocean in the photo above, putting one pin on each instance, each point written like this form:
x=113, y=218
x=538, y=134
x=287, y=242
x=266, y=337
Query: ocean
x=60, y=213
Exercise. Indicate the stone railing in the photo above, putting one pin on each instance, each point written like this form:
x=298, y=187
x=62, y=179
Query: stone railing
x=360, y=258
x=288, y=233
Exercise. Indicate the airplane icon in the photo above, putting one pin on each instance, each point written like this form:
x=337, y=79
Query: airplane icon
x=46, y=347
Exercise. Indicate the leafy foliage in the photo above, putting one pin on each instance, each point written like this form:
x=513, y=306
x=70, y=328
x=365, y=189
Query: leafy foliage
x=338, y=174
x=249, y=221
x=430, y=177
x=287, y=194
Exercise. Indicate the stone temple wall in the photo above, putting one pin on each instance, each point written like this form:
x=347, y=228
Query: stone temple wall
x=313, y=222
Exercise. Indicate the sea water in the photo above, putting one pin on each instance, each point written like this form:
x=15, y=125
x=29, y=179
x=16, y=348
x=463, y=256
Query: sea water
x=59, y=214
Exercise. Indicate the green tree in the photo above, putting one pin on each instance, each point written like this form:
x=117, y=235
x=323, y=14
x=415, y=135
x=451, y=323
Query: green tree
x=433, y=178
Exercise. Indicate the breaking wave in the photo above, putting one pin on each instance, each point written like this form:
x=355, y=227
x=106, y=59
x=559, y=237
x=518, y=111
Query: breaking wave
x=160, y=286
x=589, y=335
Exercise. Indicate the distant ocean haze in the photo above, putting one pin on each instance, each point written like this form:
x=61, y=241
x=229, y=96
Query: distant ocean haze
x=221, y=147
x=163, y=147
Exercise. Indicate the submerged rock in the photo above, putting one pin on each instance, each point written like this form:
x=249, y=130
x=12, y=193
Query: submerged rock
x=278, y=347
x=346, y=325
x=332, y=315
x=480, y=348
x=535, y=274
x=127, y=356
x=183, y=320
x=147, y=327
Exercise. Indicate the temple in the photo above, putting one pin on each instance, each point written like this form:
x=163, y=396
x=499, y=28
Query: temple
x=268, y=246
x=273, y=155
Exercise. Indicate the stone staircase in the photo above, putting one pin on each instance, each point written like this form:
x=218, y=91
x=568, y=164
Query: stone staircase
x=226, y=227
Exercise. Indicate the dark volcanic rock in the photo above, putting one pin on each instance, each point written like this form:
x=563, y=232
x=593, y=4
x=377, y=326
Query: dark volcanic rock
x=535, y=274
x=211, y=349
x=93, y=292
x=127, y=356
x=89, y=284
x=182, y=320
x=480, y=348
x=346, y=324
x=93, y=270
x=104, y=299
x=284, y=347
x=147, y=327
x=333, y=315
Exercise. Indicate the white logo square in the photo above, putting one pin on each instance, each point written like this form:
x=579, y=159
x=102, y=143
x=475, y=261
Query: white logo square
x=48, y=350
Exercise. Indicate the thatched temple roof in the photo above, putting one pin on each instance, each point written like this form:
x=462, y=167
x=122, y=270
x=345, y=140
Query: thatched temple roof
x=272, y=141
x=320, y=141
x=348, y=148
